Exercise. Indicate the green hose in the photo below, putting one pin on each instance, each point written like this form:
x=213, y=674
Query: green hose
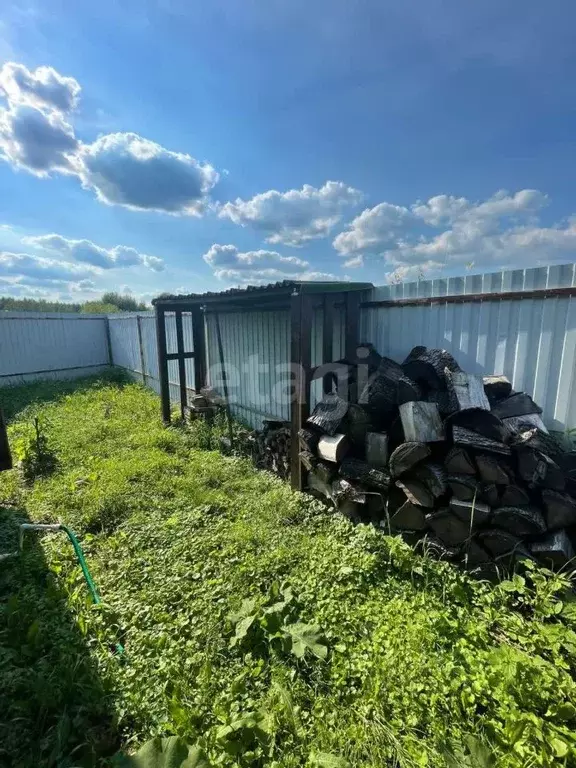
x=79, y=554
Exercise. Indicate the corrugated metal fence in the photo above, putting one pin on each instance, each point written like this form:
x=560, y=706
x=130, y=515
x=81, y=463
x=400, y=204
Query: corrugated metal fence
x=51, y=345
x=531, y=340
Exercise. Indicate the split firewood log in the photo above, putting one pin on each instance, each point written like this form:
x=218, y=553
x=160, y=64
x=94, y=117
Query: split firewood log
x=416, y=492
x=517, y=404
x=409, y=517
x=333, y=447
x=447, y=527
x=328, y=414
x=554, y=550
x=421, y=422
x=377, y=449
x=474, y=514
x=459, y=462
x=469, y=439
x=406, y=456
x=497, y=387
x=491, y=470
x=560, y=510
x=521, y=521
x=467, y=390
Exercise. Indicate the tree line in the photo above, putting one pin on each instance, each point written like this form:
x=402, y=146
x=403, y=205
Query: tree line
x=108, y=302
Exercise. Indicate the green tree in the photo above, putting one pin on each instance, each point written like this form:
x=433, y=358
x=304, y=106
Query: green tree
x=124, y=302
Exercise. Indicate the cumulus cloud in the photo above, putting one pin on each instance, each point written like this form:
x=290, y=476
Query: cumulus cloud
x=120, y=168
x=37, y=141
x=503, y=230
x=126, y=169
x=256, y=267
x=44, y=88
x=296, y=216
x=40, y=269
x=87, y=252
x=230, y=264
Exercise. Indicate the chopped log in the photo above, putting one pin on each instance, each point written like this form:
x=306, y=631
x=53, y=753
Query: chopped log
x=521, y=521
x=560, y=510
x=446, y=403
x=408, y=390
x=342, y=489
x=491, y=470
x=421, y=422
x=326, y=472
x=498, y=541
x=474, y=514
x=377, y=449
x=434, y=478
x=416, y=492
x=308, y=440
x=367, y=355
x=555, y=549
x=360, y=471
x=538, y=440
x=351, y=510
x=517, y=404
x=474, y=554
x=480, y=421
x=429, y=367
x=514, y=496
x=486, y=571
x=198, y=401
x=464, y=487
x=447, y=527
x=333, y=447
x=410, y=517
x=414, y=354
x=469, y=439
x=328, y=414
x=537, y=469
x=406, y=456
x=317, y=486
x=309, y=460
x=489, y=494
x=433, y=547
x=376, y=505
x=356, y=425
x=381, y=391
x=520, y=423
x=467, y=389
x=497, y=387
x=458, y=462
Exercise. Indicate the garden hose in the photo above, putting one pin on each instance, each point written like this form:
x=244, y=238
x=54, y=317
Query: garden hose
x=54, y=528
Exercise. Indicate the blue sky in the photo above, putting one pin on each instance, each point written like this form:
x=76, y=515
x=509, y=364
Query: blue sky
x=182, y=145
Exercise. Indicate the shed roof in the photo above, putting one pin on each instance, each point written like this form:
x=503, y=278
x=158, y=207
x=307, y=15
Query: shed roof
x=262, y=292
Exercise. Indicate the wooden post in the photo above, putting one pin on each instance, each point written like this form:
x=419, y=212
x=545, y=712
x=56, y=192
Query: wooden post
x=300, y=335
x=327, y=337
x=162, y=364
x=181, y=363
x=199, y=339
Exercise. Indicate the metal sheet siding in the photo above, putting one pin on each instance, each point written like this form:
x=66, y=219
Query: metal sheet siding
x=256, y=347
x=50, y=345
x=532, y=341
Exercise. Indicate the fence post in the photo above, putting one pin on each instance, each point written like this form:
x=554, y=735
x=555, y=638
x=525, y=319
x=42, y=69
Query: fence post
x=109, y=341
x=163, y=364
x=141, y=349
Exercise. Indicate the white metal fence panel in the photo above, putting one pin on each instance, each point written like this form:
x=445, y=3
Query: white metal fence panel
x=530, y=340
x=39, y=345
x=256, y=351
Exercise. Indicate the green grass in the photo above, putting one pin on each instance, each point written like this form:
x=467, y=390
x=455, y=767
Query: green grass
x=423, y=667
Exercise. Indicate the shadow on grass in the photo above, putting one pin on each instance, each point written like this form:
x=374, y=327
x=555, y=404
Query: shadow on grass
x=15, y=398
x=54, y=709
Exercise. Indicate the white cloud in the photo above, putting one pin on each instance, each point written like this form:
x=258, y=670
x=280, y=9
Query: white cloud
x=43, y=88
x=502, y=231
x=40, y=269
x=37, y=141
x=354, y=262
x=296, y=216
x=257, y=267
x=128, y=170
x=373, y=229
x=230, y=264
x=87, y=252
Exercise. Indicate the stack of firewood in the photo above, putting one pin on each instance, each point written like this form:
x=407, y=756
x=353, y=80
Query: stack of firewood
x=457, y=460
x=270, y=448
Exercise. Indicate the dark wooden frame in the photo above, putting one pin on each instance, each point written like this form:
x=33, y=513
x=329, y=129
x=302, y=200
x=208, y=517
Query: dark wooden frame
x=301, y=300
